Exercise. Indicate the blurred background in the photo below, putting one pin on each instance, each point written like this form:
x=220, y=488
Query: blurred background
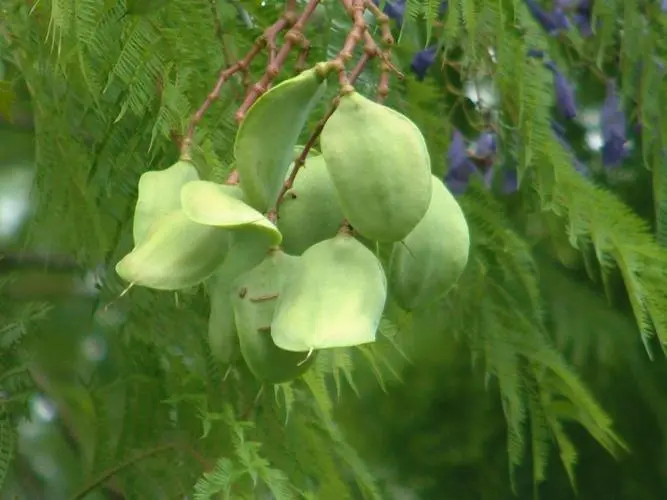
x=435, y=426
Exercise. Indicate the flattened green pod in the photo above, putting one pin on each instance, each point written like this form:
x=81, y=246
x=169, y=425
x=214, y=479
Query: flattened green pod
x=221, y=205
x=177, y=253
x=248, y=247
x=429, y=261
x=222, y=335
x=379, y=163
x=254, y=299
x=334, y=297
x=159, y=192
x=266, y=139
x=310, y=211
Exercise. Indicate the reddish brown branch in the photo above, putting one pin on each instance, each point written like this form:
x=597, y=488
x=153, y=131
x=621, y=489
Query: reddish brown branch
x=301, y=160
x=294, y=37
x=278, y=56
x=224, y=75
x=266, y=39
x=302, y=60
x=233, y=178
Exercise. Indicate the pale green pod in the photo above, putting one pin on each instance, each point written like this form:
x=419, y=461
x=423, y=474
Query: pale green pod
x=177, y=253
x=248, y=247
x=429, y=261
x=266, y=139
x=159, y=192
x=334, y=297
x=254, y=298
x=380, y=166
x=310, y=211
x=222, y=205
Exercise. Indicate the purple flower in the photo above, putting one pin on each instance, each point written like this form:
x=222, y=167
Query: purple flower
x=663, y=5
x=422, y=61
x=552, y=22
x=565, y=102
x=612, y=124
x=394, y=10
x=560, y=19
x=582, y=17
x=443, y=7
x=460, y=167
x=485, y=147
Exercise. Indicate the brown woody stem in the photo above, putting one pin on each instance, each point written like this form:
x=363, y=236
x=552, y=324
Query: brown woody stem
x=266, y=40
x=294, y=37
x=301, y=160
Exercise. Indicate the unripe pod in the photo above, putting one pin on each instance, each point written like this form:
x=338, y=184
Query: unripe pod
x=380, y=167
x=427, y=263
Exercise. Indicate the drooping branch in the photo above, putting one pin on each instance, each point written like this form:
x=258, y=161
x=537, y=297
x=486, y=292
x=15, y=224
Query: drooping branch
x=294, y=37
x=266, y=39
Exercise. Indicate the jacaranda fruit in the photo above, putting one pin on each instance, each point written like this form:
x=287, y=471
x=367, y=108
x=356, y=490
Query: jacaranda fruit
x=160, y=193
x=176, y=253
x=429, y=261
x=310, y=211
x=380, y=167
x=222, y=205
x=248, y=247
x=334, y=297
x=264, y=145
x=222, y=336
x=254, y=298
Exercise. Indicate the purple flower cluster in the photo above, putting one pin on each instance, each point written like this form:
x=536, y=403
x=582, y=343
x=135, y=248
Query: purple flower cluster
x=612, y=116
x=565, y=100
x=466, y=162
x=422, y=61
x=396, y=9
x=557, y=19
x=425, y=58
x=613, y=127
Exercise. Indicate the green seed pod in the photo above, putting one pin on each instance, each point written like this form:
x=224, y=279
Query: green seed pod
x=310, y=211
x=266, y=139
x=334, y=297
x=429, y=261
x=253, y=299
x=177, y=253
x=221, y=205
x=380, y=167
x=159, y=192
x=248, y=247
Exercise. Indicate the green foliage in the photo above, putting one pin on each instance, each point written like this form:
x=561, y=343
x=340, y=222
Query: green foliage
x=110, y=88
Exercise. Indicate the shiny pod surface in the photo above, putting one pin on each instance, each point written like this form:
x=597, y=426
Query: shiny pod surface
x=380, y=167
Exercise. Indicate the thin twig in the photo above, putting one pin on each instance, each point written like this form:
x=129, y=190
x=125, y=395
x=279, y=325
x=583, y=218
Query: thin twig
x=220, y=35
x=242, y=64
x=293, y=38
x=301, y=160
